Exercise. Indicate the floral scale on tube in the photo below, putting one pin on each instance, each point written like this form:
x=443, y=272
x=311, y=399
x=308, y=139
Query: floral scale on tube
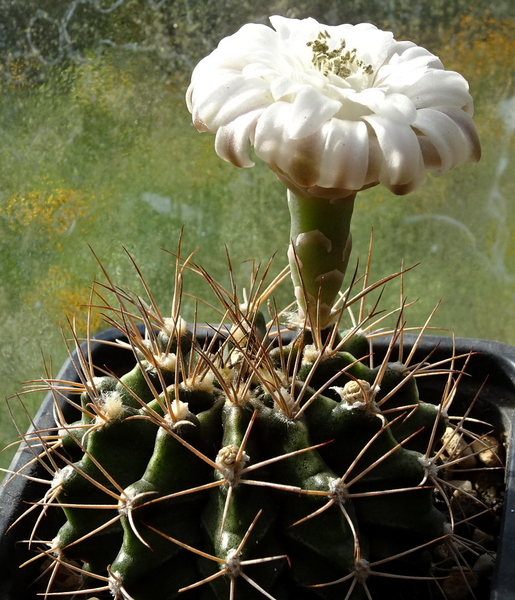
x=331, y=110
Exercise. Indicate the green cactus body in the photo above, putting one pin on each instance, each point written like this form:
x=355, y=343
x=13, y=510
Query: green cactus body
x=218, y=492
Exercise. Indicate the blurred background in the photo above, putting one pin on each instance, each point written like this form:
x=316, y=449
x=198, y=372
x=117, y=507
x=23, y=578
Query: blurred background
x=97, y=150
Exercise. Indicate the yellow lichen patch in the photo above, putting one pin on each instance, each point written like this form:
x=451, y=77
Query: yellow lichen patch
x=482, y=46
x=65, y=296
x=20, y=71
x=50, y=212
x=110, y=88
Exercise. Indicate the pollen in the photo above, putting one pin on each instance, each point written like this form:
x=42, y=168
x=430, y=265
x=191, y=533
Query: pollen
x=340, y=61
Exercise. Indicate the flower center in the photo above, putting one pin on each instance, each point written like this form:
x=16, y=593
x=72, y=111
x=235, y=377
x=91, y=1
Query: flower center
x=339, y=61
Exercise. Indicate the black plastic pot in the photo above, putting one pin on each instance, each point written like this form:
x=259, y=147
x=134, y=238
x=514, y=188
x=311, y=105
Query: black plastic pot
x=493, y=365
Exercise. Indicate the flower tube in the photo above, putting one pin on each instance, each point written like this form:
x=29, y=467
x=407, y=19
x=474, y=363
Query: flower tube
x=332, y=110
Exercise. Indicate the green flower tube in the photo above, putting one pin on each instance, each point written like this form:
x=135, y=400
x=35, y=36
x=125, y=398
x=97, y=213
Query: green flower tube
x=320, y=246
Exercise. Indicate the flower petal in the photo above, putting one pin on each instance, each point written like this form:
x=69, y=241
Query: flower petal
x=233, y=140
x=309, y=111
x=453, y=135
x=295, y=30
x=403, y=166
x=439, y=88
x=298, y=158
x=397, y=107
x=250, y=38
x=344, y=160
x=373, y=44
x=284, y=86
x=219, y=102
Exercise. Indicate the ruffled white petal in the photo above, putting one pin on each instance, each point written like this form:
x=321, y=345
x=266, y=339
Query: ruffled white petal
x=293, y=30
x=232, y=140
x=229, y=97
x=296, y=157
x=248, y=39
x=453, y=138
x=402, y=168
x=344, y=159
x=285, y=86
x=439, y=88
x=372, y=44
x=309, y=111
x=397, y=107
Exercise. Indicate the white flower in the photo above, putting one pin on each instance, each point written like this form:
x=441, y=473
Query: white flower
x=333, y=110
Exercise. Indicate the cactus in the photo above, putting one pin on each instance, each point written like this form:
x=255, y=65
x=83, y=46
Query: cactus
x=254, y=461
x=248, y=464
